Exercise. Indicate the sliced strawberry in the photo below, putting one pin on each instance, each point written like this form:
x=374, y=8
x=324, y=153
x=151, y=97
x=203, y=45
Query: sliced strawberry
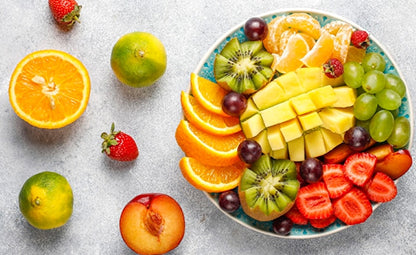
x=296, y=216
x=359, y=167
x=381, y=188
x=323, y=223
x=353, y=208
x=335, y=181
x=313, y=201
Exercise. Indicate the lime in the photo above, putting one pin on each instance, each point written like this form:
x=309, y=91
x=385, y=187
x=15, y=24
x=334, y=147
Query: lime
x=46, y=200
x=138, y=59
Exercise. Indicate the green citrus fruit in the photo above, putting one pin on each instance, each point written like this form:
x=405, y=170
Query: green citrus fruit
x=138, y=59
x=46, y=200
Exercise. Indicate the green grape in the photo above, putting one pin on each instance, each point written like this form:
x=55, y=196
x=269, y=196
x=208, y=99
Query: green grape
x=363, y=123
x=373, y=61
x=373, y=81
x=395, y=83
x=388, y=99
x=401, y=133
x=365, y=106
x=353, y=74
x=381, y=125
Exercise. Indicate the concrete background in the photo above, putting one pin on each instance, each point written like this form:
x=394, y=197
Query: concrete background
x=102, y=187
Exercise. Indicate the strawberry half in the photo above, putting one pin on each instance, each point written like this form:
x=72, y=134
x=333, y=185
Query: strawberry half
x=119, y=146
x=359, y=167
x=296, y=216
x=313, y=201
x=381, y=188
x=335, y=181
x=323, y=223
x=353, y=208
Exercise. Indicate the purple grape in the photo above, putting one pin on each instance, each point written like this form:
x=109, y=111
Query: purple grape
x=249, y=151
x=282, y=225
x=229, y=201
x=255, y=29
x=357, y=138
x=311, y=170
x=234, y=104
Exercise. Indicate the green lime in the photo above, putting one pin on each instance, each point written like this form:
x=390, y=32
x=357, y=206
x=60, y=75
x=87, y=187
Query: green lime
x=138, y=59
x=46, y=200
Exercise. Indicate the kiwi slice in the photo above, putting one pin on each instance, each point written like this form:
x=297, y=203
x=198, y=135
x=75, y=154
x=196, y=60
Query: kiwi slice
x=244, y=67
x=268, y=188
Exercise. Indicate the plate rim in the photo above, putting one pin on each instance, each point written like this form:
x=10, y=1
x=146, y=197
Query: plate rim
x=283, y=11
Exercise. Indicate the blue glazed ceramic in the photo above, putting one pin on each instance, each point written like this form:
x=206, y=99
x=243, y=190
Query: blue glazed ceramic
x=205, y=69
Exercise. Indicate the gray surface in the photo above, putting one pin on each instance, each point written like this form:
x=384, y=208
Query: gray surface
x=102, y=187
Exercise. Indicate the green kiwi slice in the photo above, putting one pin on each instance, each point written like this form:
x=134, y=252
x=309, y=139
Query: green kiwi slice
x=268, y=188
x=244, y=67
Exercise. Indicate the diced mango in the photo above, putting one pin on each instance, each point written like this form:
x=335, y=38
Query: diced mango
x=290, y=84
x=331, y=139
x=250, y=110
x=269, y=95
x=263, y=141
x=338, y=120
x=291, y=129
x=278, y=114
x=334, y=82
x=275, y=138
x=310, y=121
x=314, y=144
x=252, y=126
x=302, y=104
x=346, y=96
x=310, y=77
x=296, y=149
x=280, y=154
x=323, y=97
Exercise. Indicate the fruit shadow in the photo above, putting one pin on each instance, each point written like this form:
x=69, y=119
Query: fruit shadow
x=134, y=95
x=47, y=239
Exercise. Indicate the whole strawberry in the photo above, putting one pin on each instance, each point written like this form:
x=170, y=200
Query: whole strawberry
x=333, y=68
x=360, y=39
x=65, y=12
x=119, y=146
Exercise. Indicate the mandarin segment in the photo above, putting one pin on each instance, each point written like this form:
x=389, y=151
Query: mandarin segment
x=342, y=42
x=321, y=51
x=290, y=60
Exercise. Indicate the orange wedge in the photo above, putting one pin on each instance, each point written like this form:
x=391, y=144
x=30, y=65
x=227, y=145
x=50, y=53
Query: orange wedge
x=208, y=93
x=207, y=148
x=289, y=61
x=206, y=120
x=321, y=51
x=211, y=178
x=49, y=89
x=342, y=42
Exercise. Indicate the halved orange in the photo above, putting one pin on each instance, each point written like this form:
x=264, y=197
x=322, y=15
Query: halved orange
x=211, y=178
x=289, y=61
x=208, y=148
x=209, y=94
x=208, y=121
x=321, y=51
x=49, y=89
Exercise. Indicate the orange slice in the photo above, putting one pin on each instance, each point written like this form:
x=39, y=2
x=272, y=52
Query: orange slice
x=355, y=54
x=342, y=42
x=49, y=89
x=208, y=93
x=289, y=61
x=211, y=178
x=208, y=148
x=321, y=51
x=206, y=120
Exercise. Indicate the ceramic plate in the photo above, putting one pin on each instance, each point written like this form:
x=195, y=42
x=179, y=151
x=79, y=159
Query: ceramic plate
x=205, y=69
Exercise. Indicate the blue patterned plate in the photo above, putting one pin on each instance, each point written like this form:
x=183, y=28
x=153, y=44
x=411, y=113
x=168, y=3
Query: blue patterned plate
x=205, y=69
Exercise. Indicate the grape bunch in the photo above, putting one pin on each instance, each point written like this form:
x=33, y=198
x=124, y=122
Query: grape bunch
x=379, y=98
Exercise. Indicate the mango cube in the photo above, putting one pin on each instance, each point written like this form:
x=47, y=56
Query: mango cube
x=278, y=114
x=269, y=95
x=291, y=129
x=296, y=149
x=310, y=121
x=323, y=97
x=346, y=96
x=310, y=77
x=275, y=138
x=290, y=84
x=252, y=126
x=338, y=120
x=314, y=144
x=302, y=104
x=331, y=139
x=250, y=110
x=263, y=141
x=280, y=154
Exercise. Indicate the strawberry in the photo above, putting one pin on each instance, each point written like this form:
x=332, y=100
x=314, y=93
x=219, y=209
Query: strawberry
x=359, y=167
x=313, y=201
x=119, y=146
x=323, y=223
x=296, y=216
x=333, y=68
x=335, y=181
x=353, y=208
x=65, y=12
x=360, y=39
x=381, y=188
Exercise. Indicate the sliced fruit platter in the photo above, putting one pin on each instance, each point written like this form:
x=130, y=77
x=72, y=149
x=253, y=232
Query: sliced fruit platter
x=297, y=124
